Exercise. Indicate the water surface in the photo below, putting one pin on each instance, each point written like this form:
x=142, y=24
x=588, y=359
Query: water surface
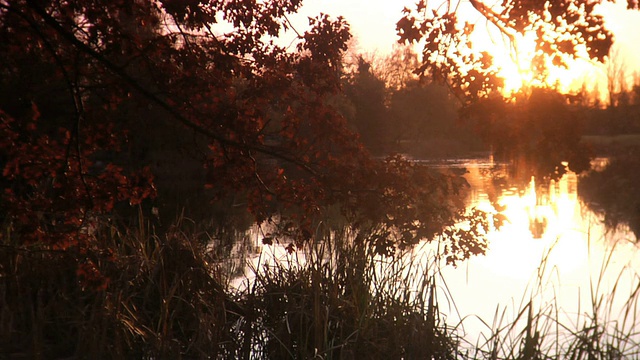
x=553, y=250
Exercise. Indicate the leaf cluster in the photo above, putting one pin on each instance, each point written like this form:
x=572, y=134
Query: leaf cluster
x=123, y=86
x=563, y=29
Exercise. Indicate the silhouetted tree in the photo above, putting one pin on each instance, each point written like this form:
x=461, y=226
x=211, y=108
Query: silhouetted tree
x=99, y=92
x=425, y=118
x=564, y=30
x=368, y=94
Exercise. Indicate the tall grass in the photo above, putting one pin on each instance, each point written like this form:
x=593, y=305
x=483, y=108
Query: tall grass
x=337, y=299
x=171, y=296
x=542, y=329
x=164, y=299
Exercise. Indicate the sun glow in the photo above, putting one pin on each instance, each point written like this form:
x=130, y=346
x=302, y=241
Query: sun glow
x=514, y=61
x=541, y=228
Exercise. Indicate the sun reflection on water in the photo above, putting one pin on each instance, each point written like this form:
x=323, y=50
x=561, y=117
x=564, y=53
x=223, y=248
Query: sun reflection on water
x=551, y=248
x=542, y=222
x=552, y=252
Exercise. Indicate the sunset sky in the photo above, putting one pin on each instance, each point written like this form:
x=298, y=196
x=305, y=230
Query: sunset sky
x=373, y=26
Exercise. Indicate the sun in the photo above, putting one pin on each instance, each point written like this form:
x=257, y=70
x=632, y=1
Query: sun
x=514, y=60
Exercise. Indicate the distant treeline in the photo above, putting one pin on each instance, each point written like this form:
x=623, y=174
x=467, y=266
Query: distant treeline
x=395, y=111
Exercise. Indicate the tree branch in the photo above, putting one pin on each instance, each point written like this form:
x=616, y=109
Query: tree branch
x=159, y=101
x=494, y=18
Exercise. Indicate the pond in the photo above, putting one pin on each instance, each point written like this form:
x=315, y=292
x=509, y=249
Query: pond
x=554, y=255
x=554, y=251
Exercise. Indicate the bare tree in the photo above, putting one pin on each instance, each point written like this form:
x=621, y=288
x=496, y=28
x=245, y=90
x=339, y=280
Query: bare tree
x=617, y=78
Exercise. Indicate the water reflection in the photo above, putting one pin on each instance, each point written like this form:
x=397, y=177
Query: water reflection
x=613, y=190
x=538, y=216
x=553, y=247
x=554, y=251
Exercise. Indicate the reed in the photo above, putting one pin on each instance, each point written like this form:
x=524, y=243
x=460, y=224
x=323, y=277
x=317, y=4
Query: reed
x=542, y=329
x=338, y=299
x=162, y=298
x=176, y=296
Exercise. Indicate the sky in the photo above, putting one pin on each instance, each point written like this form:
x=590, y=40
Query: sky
x=372, y=21
x=373, y=26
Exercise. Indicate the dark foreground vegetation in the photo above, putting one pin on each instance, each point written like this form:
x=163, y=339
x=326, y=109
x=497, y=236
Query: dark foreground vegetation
x=170, y=297
x=117, y=115
x=173, y=297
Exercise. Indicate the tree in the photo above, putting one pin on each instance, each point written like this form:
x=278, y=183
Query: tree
x=368, y=94
x=396, y=69
x=86, y=80
x=617, y=79
x=540, y=133
x=563, y=29
x=425, y=119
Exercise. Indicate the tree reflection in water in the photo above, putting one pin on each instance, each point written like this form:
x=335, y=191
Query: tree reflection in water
x=536, y=198
x=614, y=191
x=553, y=249
x=611, y=190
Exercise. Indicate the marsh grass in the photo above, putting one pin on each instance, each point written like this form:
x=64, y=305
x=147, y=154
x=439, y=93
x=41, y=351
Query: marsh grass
x=540, y=328
x=175, y=296
x=340, y=300
x=169, y=296
x=163, y=298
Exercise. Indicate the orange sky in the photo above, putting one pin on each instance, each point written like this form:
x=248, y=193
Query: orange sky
x=373, y=24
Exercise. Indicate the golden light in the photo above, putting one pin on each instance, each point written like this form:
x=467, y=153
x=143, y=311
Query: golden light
x=541, y=229
x=514, y=61
x=373, y=24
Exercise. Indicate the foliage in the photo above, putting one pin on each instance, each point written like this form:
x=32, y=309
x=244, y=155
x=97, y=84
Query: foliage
x=620, y=117
x=424, y=111
x=368, y=94
x=394, y=111
x=338, y=299
x=541, y=128
x=169, y=297
x=101, y=98
x=395, y=69
x=165, y=298
x=426, y=119
x=563, y=29
x=540, y=132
